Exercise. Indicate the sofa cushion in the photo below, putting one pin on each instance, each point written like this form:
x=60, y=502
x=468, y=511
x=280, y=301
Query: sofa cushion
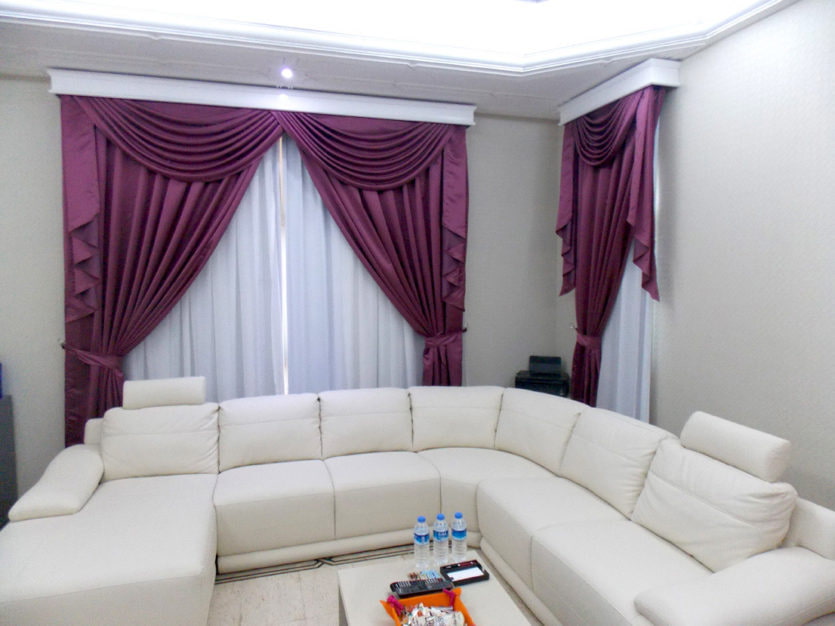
x=752, y=451
x=462, y=469
x=65, y=487
x=365, y=420
x=159, y=440
x=718, y=513
x=536, y=425
x=269, y=429
x=455, y=416
x=382, y=491
x=138, y=394
x=263, y=507
x=600, y=567
x=511, y=510
x=142, y=551
x=609, y=454
x=779, y=588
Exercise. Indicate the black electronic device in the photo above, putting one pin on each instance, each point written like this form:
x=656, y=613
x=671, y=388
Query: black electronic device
x=545, y=375
x=464, y=573
x=409, y=588
x=545, y=365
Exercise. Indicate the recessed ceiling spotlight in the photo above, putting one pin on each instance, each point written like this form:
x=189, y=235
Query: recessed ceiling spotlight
x=287, y=73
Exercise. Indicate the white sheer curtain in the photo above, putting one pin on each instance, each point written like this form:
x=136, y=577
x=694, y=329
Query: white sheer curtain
x=327, y=326
x=626, y=352
x=343, y=331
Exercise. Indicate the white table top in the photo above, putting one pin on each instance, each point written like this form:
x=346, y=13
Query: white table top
x=362, y=587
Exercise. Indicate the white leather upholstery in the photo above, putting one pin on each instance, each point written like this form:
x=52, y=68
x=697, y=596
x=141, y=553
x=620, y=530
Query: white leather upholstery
x=779, y=588
x=462, y=469
x=67, y=483
x=512, y=510
x=269, y=429
x=92, y=430
x=156, y=441
x=609, y=454
x=141, y=552
x=309, y=476
x=365, y=420
x=455, y=416
x=382, y=491
x=752, y=451
x=138, y=394
x=264, y=507
x=718, y=513
x=813, y=527
x=536, y=426
x=599, y=568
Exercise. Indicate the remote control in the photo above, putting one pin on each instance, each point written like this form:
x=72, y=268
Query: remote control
x=409, y=588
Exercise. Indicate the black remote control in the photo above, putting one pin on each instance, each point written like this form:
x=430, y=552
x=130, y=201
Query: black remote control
x=409, y=588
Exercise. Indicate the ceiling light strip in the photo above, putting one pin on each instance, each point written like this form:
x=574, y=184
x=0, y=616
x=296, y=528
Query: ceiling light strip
x=132, y=87
x=660, y=72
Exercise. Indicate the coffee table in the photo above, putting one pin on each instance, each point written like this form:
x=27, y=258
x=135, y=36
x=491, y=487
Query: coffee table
x=362, y=587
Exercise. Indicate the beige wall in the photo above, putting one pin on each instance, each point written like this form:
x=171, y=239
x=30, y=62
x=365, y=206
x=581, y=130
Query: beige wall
x=746, y=239
x=513, y=262
x=31, y=271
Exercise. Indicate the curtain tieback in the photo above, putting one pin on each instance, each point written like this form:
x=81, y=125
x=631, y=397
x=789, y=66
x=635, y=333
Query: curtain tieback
x=444, y=339
x=592, y=342
x=109, y=361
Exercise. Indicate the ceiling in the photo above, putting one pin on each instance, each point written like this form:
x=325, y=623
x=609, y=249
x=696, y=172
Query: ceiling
x=510, y=57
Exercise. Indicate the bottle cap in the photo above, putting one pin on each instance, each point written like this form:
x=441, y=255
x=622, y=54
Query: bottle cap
x=458, y=515
x=421, y=519
x=441, y=516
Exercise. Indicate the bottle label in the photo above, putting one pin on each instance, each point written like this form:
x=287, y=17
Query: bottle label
x=441, y=535
x=459, y=534
x=421, y=538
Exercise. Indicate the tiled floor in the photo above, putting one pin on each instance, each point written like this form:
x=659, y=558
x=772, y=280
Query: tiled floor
x=302, y=598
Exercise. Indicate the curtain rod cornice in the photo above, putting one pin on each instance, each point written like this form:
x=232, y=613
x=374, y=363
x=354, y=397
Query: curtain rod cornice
x=134, y=87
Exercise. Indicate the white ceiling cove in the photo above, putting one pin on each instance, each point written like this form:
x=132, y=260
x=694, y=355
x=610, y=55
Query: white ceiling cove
x=511, y=57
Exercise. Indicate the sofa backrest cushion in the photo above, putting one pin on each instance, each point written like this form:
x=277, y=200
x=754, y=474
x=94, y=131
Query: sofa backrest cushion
x=717, y=513
x=752, y=451
x=609, y=454
x=445, y=417
x=812, y=527
x=157, y=441
x=138, y=394
x=536, y=425
x=269, y=429
x=365, y=420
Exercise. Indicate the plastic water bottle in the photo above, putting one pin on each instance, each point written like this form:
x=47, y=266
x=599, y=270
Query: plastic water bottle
x=422, y=544
x=459, y=537
x=440, y=540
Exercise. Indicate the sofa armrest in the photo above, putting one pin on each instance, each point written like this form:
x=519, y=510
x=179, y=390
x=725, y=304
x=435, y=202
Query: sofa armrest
x=67, y=483
x=782, y=586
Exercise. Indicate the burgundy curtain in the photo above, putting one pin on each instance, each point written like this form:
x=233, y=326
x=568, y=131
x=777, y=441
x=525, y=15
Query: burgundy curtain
x=606, y=205
x=398, y=191
x=149, y=189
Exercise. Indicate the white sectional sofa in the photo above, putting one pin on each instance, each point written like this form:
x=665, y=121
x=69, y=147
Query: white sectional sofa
x=592, y=517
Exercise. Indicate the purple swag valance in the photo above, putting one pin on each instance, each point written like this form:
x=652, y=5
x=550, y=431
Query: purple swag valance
x=606, y=206
x=150, y=187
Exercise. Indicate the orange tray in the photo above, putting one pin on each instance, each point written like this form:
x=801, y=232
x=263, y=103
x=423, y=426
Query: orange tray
x=430, y=599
